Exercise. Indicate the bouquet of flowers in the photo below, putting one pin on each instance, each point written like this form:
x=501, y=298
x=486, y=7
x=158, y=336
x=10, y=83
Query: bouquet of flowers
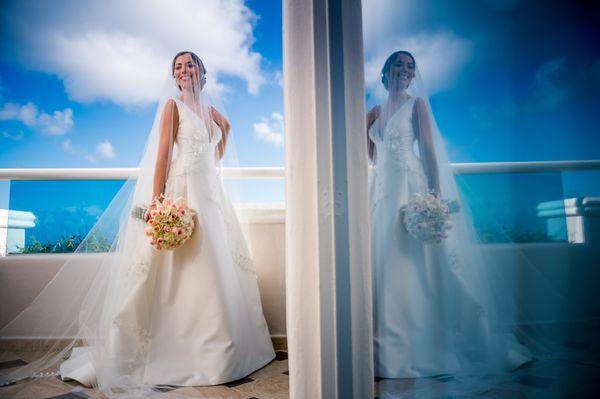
x=170, y=223
x=427, y=218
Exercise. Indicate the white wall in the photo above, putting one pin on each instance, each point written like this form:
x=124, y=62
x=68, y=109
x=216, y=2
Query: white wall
x=22, y=277
x=571, y=269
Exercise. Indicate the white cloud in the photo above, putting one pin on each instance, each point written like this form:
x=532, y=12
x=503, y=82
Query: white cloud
x=391, y=25
x=440, y=58
x=93, y=210
x=121, y=51
x=105, y=149
x=270, y=129
x=14, y=137
x=278, y=76
x=56, y=124
x=558, y=81
x=67, y=146
x=26, y=113
x=102, y=150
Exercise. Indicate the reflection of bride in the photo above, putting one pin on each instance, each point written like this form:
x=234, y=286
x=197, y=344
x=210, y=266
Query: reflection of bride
x=191, y=316
x=433, y=312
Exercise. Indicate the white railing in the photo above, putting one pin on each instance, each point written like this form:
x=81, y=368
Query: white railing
x=524, y=167
x=244, y=173
x=278, y=172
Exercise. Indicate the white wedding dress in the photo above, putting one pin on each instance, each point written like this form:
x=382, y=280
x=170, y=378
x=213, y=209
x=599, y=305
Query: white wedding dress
x=191, y=316
x=426, y=320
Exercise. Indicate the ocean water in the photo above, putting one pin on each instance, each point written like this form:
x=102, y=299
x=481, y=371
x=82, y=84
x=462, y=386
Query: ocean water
x=504, y=207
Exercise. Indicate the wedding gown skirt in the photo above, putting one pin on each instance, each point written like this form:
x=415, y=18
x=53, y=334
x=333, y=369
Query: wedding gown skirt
x=426, y=321
x=191, y=316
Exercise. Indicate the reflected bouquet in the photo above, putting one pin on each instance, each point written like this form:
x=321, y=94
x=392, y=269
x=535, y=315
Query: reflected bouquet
x=427, y=218
x=170, y=223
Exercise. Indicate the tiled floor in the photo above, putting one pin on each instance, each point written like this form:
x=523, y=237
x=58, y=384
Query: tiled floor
x=544, y=379
x=568, y=367
x=538, y=379
x=270, y=382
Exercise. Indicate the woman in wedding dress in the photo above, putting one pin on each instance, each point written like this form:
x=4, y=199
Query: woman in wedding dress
x=186, y=317
x=433, y=312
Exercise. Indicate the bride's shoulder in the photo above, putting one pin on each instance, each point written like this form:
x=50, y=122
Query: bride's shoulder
x=219, y=118
x=171, y=102
x=374, y=113
x=419, y=105
x=171, y=107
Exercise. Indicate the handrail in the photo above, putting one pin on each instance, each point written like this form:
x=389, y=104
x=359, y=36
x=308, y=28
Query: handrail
x=524, y=167
x=278, y=172
x=244, y=173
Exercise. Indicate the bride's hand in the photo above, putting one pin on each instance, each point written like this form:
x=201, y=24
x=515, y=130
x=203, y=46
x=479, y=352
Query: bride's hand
x=150, y=209
x=152, y=206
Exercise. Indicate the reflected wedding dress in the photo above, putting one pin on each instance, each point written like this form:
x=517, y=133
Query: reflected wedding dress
x=191, y=316
x=426, y=322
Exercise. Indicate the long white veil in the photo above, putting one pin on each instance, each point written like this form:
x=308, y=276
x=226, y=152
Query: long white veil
x=495, y=282
x=107, y=267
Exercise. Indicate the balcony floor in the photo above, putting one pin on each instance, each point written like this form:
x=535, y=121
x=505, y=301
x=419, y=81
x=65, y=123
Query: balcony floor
x=270, y=382
x=540, y=378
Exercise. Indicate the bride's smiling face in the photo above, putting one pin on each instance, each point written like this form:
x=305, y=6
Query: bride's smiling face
x=186, y=71
x=402, y=71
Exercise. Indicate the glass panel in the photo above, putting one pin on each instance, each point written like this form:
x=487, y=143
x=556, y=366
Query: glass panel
x=504, y=291
x=509, y=207
x=54, y=216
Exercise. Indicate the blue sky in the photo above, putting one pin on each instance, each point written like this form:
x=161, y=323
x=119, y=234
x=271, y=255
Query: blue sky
x=96, y=128
x=508, y=79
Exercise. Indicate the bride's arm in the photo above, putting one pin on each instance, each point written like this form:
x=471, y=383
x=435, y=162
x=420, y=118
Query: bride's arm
x=372, y=116
x=225, y=127
x=423, y=127
x=169, y=123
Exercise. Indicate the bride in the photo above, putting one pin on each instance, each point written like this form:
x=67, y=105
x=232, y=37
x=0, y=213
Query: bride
x=435, y=312
x=191, y=316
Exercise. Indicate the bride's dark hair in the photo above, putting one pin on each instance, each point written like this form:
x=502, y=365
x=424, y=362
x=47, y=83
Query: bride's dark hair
x=388, y=64
x=196, y=60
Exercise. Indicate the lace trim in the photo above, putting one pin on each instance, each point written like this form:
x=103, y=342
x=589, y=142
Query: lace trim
x=237, y=245
x=140, y=267
x=195, y=146
x=142, y=338
x=39, y=374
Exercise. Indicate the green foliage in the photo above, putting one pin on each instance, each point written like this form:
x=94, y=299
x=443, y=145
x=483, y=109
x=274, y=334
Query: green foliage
x=66, y=245
x=512, y=235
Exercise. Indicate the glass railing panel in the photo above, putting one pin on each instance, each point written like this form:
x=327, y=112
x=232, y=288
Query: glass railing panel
x=54, y=216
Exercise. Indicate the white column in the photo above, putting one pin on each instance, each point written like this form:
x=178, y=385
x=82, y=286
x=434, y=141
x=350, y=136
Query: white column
x=327, y=254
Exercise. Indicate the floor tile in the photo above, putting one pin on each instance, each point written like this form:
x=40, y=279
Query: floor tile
x=270, y=370
x=220, y=391
x=276, y=387
x=6, y=356
x=9, y=364
x=239, y=382
x=76, y=395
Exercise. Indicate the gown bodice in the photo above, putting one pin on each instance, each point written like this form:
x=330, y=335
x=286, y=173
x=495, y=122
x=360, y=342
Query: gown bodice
x=395, y=141
x=194, y=141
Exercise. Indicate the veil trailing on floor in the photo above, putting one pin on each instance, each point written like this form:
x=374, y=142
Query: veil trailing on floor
x=85, y=296
x=493, y=278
